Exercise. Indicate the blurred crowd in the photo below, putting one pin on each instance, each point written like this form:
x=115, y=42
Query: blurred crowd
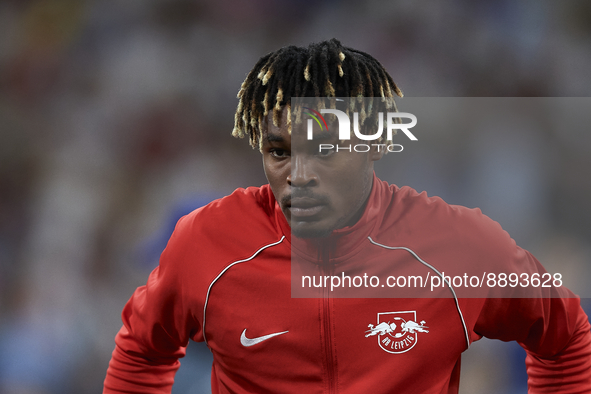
x=115, y=120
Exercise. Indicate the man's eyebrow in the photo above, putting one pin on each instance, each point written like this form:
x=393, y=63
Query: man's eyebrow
x=323, y=135
x=273, y=138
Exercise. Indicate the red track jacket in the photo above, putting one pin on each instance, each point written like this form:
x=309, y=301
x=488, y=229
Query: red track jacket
x=226, y=278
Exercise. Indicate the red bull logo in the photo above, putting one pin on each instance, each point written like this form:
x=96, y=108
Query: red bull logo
x=397, y=331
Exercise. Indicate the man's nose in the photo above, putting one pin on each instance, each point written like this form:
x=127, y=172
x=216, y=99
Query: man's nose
x=302, y=172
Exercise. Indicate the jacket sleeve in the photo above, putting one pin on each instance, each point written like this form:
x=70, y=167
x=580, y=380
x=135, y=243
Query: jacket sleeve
x=568, y=369
x=157, y=324
x=553, y=329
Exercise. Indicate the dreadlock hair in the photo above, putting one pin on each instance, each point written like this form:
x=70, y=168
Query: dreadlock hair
x=324, y=69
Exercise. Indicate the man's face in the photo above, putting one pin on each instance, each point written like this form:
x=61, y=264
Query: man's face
x=318, y=191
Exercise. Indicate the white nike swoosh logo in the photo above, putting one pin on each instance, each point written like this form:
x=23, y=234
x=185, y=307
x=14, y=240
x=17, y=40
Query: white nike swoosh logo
x=250, y=342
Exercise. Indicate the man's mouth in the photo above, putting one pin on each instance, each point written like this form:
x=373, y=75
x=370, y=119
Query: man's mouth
x=304, y=207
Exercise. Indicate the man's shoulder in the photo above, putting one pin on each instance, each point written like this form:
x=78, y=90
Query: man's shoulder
x=431, y=216
x=251, y=201
x=209, y=239
x=449, y=236
x=409, y=204
x=246, y=214
x=225, y=230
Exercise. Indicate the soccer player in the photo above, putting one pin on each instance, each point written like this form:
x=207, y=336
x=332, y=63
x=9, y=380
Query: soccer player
x=226, y=275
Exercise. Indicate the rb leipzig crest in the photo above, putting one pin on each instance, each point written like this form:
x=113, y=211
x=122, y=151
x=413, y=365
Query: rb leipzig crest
x=397, y=331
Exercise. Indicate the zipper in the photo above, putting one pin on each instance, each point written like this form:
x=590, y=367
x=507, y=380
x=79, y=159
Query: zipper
x=327, y=327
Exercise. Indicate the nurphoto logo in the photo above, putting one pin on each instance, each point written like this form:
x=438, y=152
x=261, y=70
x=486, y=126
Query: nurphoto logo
x=393, y=122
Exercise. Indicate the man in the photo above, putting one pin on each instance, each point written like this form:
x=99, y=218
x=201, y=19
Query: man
x=231, y=271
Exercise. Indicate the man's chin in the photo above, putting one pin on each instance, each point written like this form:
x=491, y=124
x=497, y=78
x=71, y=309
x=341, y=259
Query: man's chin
x=305, y=230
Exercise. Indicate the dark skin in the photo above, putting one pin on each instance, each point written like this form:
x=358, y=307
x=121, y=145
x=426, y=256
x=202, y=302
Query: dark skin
x=318, y=192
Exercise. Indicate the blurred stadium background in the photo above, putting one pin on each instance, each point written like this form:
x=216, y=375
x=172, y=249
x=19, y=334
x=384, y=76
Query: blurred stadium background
x=115, y=119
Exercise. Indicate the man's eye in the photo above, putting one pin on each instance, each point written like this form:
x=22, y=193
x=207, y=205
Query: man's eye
x=279, y=153
x=325, y=151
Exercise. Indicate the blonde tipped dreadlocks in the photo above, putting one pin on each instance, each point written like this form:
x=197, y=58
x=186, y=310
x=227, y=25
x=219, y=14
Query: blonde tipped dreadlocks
x=325, y=69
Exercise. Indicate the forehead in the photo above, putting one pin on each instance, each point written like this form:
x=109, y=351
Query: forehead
x=288, y=131
x=270, y=130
